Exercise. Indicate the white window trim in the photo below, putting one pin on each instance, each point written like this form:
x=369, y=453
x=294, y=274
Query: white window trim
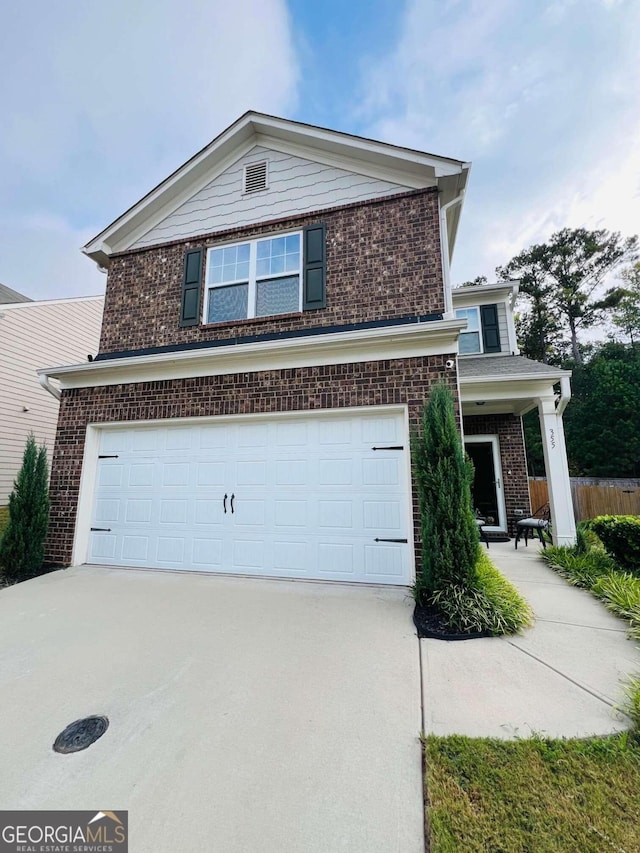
x=475, y=308
x=253, y=278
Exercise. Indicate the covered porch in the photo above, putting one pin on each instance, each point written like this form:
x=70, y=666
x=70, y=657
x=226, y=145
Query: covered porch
x=495, y=391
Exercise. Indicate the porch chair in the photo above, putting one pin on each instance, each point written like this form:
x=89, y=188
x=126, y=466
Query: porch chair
x=539, y=522
x=480, y=521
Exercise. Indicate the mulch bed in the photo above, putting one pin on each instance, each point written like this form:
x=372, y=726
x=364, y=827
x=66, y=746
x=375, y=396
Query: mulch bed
x=430, y=625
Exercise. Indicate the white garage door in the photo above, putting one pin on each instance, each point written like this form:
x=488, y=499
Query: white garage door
x=310, y=497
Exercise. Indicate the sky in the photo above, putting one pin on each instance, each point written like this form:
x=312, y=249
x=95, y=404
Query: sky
x=101, y=101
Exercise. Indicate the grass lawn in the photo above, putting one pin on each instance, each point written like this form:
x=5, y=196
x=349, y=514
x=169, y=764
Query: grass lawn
x=492, y=796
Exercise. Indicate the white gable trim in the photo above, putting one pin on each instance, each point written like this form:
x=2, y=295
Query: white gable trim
x=237, y=140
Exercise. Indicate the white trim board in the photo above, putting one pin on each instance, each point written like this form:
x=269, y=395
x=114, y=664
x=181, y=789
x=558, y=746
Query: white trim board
x=437, y=337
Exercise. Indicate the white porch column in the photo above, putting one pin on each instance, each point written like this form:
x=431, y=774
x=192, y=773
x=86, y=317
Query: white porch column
x=555, y=461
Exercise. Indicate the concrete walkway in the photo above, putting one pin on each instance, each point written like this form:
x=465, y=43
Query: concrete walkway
x=561, y=678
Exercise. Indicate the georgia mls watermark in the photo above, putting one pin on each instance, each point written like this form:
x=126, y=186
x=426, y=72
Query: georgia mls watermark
x=63, y=832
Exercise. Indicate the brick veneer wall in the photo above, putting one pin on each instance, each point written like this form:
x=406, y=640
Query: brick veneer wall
x=383, y=261
x=513, y=458
x=374, y=383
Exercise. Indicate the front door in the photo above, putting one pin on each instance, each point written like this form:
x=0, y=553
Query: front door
x=488, y=488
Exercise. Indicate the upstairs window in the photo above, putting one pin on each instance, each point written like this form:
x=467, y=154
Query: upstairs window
x=482, y=334
x=256, y=278
x=470, y=340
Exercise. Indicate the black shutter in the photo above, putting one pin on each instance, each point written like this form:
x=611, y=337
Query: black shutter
x=313, y=270
x=190, y=303
x=490, y=328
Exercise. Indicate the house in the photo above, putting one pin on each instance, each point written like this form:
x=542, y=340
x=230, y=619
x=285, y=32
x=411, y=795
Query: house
x=34, y=333
x=277, y=310
x=8, y=295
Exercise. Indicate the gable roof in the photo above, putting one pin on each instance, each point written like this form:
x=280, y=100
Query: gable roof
x=413, y=168
x=9, y=296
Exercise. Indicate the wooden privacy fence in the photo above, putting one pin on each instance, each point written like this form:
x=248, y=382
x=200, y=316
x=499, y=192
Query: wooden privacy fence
x=593, y=496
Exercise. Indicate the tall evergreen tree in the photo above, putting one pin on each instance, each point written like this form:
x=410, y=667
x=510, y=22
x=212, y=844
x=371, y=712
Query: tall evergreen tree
x=22, y=546
x=448, y=525
x=561, y=281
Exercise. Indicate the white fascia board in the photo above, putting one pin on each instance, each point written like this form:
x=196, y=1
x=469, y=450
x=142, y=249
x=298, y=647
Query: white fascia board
x=471, y=294
x=413, y=340
x=37, y=303
x=165, y=203
x=522, y=390
x=405, y=177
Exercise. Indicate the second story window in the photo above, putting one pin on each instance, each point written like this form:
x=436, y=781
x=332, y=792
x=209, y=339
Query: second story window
x=255, y=278
x=470, y=339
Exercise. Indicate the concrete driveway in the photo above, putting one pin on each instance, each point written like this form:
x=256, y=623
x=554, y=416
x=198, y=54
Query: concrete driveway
x=245, y=715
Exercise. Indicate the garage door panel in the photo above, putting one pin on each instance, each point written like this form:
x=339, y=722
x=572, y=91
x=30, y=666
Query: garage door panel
x=207, y=553
x=171, y=550
x=292, y=557
x=383, y=561
x=381, y=472
x=110, y=476
x=174, y=511
x=138, y=510
x=310, y=498
x=209, y=511
x=135, y=549
x=290, y=513
x=382, y=516
x=336, y=558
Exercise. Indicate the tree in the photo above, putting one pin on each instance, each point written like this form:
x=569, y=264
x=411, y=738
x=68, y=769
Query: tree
x=448, y=525
x=478, y=280
x=627, y=313
x=561, y=279
x=22, y=546
x=602, y=422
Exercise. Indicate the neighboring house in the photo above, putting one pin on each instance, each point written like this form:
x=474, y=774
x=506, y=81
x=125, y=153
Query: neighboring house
x=33, y=334
x=277, y=311
x=7, y=295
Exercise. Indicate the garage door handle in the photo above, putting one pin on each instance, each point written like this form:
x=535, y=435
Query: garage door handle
x=224, y=504
x=391, y=540
x=232, y=497
x=101, y=529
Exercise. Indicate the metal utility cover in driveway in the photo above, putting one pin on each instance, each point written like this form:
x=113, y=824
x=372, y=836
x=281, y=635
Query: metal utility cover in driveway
x=245, y=714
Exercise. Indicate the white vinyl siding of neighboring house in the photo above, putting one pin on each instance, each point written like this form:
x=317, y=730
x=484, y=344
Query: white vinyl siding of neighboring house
x=35, y=335
x=295, y=186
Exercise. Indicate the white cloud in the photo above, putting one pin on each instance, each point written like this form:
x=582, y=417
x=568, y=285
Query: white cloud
x=102, y=100
x=545, y=101
x=40, y=257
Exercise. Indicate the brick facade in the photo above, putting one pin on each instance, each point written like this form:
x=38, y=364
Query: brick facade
x=376, y=383
x=383, y=261
x=513, y=458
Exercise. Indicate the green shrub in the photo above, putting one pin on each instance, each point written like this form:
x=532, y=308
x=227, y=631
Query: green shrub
x=492, y=604
x=580, y=569
x=586, y=539
x=22, y=546
x=448, y=526
x=632, y=705
x=620, y=535
x=620, y=592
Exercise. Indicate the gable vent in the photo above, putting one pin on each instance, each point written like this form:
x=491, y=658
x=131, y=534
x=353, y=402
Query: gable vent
x=255, y=177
